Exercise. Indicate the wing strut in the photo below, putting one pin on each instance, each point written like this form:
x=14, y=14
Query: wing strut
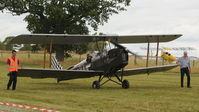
x=44, y=56
x=157, y=50
x=147, y=60
x=50, y=53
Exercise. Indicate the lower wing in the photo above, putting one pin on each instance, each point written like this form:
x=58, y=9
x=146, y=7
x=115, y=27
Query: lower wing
x=147, y=70
x=75, y=74
x=54, y=73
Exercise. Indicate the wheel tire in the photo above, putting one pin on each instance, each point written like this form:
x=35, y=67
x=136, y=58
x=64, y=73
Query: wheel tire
x=96, y=85
x=125, y=84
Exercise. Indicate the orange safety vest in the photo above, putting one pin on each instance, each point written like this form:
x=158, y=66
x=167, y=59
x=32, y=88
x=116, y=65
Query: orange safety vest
x=13, y=64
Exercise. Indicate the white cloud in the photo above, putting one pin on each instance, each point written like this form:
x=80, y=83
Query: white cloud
x=142, y=17
x=11, y=25
x=159, y=17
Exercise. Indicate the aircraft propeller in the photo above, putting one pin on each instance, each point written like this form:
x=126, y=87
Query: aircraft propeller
x=121, y=46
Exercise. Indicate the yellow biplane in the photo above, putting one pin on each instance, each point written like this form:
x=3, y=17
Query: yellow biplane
x=168, y=56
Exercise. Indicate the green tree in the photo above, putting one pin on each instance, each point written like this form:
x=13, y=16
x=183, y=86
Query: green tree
x=80, y=49
x=26, y=47
x=35, y=48
x=64, y=16
x=6, y=42
x=2, y=46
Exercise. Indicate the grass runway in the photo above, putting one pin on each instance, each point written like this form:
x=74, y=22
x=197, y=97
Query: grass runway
x=158, y=92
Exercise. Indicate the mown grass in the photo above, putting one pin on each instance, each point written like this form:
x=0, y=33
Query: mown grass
x=159, y=92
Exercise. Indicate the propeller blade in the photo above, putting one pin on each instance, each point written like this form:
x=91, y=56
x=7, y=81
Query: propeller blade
x=121, y=46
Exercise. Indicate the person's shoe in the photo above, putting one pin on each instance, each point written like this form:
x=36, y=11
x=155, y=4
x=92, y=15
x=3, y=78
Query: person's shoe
x=189, y=87
x=8, y=88
x=182, y=87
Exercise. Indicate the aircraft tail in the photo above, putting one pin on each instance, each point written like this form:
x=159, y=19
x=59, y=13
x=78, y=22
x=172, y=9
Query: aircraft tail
x=55, y=64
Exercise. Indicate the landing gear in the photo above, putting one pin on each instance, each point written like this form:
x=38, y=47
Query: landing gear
x=125, y=84
x=96, y=85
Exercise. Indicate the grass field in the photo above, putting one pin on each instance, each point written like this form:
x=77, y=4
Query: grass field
x=158, y=92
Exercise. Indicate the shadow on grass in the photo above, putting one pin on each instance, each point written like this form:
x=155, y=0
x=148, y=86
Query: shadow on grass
x=60, y=86
x=156, y=87
x=82, y=86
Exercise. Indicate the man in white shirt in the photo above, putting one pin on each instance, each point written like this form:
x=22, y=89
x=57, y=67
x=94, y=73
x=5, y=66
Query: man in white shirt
x=184, y=63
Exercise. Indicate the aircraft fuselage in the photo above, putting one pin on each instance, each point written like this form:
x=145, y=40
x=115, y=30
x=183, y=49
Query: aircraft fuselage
x=110, y=62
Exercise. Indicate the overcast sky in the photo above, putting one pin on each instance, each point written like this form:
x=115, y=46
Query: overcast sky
x=142, y=17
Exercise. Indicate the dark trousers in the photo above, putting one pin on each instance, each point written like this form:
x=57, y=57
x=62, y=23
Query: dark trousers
x=185, y=71
x=12, y=81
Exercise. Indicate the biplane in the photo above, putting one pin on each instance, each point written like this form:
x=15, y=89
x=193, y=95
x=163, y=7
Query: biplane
x=165, y=55
x=104, y=64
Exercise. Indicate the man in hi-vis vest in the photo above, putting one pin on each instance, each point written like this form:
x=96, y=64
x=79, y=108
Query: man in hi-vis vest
x=13, y=64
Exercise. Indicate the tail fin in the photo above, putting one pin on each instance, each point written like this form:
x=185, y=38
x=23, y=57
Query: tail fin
x=55, y=64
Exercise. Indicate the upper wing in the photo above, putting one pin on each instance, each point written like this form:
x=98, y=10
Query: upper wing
x=147, y=38
x=147, y=70
x=62, y=39
x=54, y=73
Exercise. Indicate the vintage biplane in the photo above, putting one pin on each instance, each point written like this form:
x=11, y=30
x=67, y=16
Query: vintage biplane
x=105, y=64
x=165, y=55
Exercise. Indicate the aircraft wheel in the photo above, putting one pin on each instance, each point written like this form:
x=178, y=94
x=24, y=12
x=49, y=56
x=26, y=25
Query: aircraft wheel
x=125, y=84
x=96, y=85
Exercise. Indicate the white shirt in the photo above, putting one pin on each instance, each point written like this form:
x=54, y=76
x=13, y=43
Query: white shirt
x=184, y=61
